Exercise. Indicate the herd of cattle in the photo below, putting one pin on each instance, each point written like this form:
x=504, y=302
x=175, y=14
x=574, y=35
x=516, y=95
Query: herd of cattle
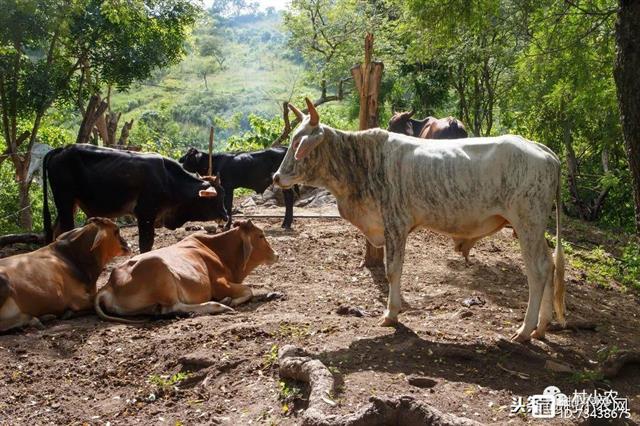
x=386, y=183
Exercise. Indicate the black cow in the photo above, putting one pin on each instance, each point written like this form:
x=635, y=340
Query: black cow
x=110, y=183
x=251, y=170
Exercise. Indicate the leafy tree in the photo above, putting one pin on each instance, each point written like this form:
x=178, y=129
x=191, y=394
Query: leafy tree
x=206, y=67
x=233, y=8
x=628, y=84
x=60, y=51
x=478, y=41
x=564, y=71
x=329, y=34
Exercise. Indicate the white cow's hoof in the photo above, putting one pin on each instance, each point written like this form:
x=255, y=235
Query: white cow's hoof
x=521, y=337
x=388, y=322
x=539, y=333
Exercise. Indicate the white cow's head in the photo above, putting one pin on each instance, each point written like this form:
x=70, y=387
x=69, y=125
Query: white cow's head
x=305, y=139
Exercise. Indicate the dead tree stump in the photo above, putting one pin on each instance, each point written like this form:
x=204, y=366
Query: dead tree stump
x=367, y=77
x=404, y=410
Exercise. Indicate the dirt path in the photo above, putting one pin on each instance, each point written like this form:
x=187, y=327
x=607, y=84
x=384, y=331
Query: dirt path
x=87, y=371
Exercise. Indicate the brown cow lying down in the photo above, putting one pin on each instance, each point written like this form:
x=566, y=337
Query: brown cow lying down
x=189, y=276
x=59, y=278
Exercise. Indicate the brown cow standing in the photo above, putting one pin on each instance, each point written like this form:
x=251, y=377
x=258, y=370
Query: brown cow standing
x=189, y=276
x=428, y=128
x=58, y=278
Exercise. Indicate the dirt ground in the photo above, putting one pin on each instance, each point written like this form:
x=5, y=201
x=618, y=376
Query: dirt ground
x=223, y=369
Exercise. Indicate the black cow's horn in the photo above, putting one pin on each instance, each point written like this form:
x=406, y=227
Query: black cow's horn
x=296, y=112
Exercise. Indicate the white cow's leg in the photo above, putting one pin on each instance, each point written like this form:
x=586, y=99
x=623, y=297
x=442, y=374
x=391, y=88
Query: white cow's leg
x=539, y=268
x=546, y=309
x=207, y=308
x=394, y=256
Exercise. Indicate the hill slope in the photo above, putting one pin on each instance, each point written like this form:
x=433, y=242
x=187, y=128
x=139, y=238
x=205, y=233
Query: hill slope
x=258, y=71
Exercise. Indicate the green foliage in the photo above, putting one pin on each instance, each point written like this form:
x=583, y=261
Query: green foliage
x=587, y=376
x=152, y=32
x=167, y=382
x=252, y=74
x=8, y=200
x=630, y=266
x=603, y=268
x=271, y=357
x=156, y=131
x=261, y=135
x=288, y=392
x=49, y=134
x=64, y=51
x=328, y=33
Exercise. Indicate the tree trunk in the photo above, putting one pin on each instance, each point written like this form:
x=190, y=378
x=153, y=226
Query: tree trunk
x=628, y=84
x=367, y=79
x=101, y=129
x=572, y=170
x=94, y=111
x=112, y=119
x=124, y=133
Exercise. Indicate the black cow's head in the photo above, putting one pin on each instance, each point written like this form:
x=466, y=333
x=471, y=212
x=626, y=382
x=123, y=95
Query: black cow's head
x=400, y=122
x=191, y=160
x=204, y=203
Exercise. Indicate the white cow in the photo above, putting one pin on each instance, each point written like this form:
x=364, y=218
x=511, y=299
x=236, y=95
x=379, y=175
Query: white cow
x=388, y=184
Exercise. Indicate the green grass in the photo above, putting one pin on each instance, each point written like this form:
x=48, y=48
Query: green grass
x=270, y=358
x=165, y=382
x=287, y=394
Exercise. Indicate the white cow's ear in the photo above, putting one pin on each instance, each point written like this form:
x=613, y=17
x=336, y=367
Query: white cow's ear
x=307, y=144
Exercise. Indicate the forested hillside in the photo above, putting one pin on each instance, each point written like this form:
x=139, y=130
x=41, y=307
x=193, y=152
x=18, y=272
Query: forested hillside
x=235, y=68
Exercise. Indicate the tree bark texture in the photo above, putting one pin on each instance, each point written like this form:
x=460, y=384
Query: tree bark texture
x=627, y=76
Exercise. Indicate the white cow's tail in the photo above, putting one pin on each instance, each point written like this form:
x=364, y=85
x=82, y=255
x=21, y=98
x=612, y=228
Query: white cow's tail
x=97, y=305
x=558, y=260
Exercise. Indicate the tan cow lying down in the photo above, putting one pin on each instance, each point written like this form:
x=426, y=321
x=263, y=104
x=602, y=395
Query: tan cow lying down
x=57, y=278
x=189, y=276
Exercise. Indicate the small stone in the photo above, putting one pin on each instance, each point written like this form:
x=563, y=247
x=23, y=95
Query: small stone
x=472, y=301
x=351, y=311
x=557, y=367
x=421, y=381
x=466, y=314
x=275, y=295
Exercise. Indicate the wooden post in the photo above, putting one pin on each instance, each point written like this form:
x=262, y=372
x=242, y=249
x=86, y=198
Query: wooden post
x=211, y=151
x=367, y=77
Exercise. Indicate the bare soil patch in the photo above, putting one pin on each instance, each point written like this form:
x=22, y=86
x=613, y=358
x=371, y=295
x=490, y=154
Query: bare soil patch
x=223, y=369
